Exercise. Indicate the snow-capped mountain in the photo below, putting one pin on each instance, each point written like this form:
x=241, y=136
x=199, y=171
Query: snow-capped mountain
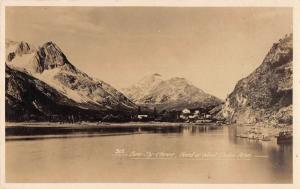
x=143, y=88
x=27, y=98
x=49, y=65
x=169, y=94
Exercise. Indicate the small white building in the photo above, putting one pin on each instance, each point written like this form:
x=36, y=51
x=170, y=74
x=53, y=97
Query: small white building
x=207, y=116
x=197, y=112
x=192, y=116
x=183, y=116
x=186, y=111
x=142, y=116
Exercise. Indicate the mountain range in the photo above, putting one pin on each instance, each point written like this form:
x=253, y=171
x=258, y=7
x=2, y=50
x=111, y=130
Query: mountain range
x=42, y=84
x=172, y=94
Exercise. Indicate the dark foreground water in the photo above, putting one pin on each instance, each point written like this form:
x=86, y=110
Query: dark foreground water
x=189, y=155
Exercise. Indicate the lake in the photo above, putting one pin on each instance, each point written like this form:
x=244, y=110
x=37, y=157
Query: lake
x=188, y=155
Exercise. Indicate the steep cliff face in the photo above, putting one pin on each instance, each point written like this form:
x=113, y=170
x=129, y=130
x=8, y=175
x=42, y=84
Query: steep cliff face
x=49, y=65
x=171, y=94
x=266, y=94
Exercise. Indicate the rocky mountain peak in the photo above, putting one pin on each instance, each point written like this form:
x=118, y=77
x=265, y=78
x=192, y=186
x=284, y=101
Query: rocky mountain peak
x=51, y=56
x=14, y=49
x=52, y=47
x=26, y=57
x=24, y=48
x=156, y=75
x=149, y=81
x=152, y=76
x=281, y=52
x=179, y=80
x=49, y=65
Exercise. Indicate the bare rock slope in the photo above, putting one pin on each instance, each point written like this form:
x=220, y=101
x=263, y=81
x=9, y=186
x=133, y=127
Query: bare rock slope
x=266, y=94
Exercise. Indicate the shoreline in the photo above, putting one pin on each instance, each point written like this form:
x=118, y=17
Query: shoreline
x=14, y=130
x=47, y=129
x=92, y=124
x=43, y=130
x=262, y=133
x=58, y=136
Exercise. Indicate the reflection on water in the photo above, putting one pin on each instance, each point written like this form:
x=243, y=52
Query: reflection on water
x=92, y=159
x=185, y=130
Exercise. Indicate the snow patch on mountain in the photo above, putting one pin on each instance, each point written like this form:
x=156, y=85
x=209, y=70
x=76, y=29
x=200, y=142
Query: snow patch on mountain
x=49, y=64
x=143, y=88
x=173, y=93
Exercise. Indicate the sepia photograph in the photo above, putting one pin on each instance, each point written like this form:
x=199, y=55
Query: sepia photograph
x=133, y=94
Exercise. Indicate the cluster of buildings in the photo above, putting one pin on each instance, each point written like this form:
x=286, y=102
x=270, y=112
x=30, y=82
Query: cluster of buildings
x=195, y=116
x=186, y=115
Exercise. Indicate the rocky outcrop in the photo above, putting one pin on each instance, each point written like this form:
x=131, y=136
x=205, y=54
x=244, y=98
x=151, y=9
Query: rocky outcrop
x=266, y=94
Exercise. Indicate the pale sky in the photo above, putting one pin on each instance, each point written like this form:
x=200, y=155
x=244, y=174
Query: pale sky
x=211, y=47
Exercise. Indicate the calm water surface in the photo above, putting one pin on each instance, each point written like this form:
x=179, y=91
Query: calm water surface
x=191, y=155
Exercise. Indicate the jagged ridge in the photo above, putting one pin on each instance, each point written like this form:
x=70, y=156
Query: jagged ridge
x=49, y=65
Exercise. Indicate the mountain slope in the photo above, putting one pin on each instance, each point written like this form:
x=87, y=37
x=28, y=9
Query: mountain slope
x=49, y=65
x=172, y=94
x=28, y=98
x=143, y=88
x=266, y=94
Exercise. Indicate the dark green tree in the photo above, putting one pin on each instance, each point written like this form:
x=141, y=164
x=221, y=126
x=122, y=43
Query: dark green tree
x=154, y=112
